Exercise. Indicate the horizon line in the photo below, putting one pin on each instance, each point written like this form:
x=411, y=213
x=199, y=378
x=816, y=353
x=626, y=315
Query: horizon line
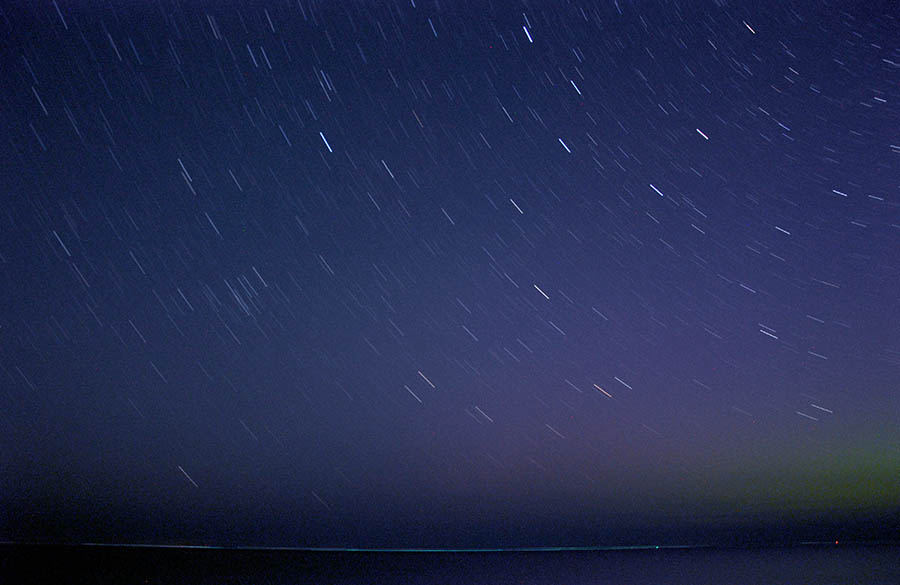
x=597, y=548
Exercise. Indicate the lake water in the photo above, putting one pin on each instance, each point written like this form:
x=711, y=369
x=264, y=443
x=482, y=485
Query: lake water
x=812, y=565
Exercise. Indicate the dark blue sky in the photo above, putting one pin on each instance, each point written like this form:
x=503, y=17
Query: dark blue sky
x=447, y=273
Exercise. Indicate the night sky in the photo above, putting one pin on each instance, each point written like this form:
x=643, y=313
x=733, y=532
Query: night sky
x=421, y=273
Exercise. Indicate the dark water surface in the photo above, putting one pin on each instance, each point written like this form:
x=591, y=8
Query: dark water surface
x=815, y=565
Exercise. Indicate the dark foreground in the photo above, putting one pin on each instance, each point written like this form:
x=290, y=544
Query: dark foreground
x=809, y=564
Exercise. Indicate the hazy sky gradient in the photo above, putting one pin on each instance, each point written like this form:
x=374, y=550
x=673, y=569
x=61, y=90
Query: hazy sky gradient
x=447, y=273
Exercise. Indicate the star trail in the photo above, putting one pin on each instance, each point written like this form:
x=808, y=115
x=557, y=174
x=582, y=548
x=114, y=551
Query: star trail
x=446, y=273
